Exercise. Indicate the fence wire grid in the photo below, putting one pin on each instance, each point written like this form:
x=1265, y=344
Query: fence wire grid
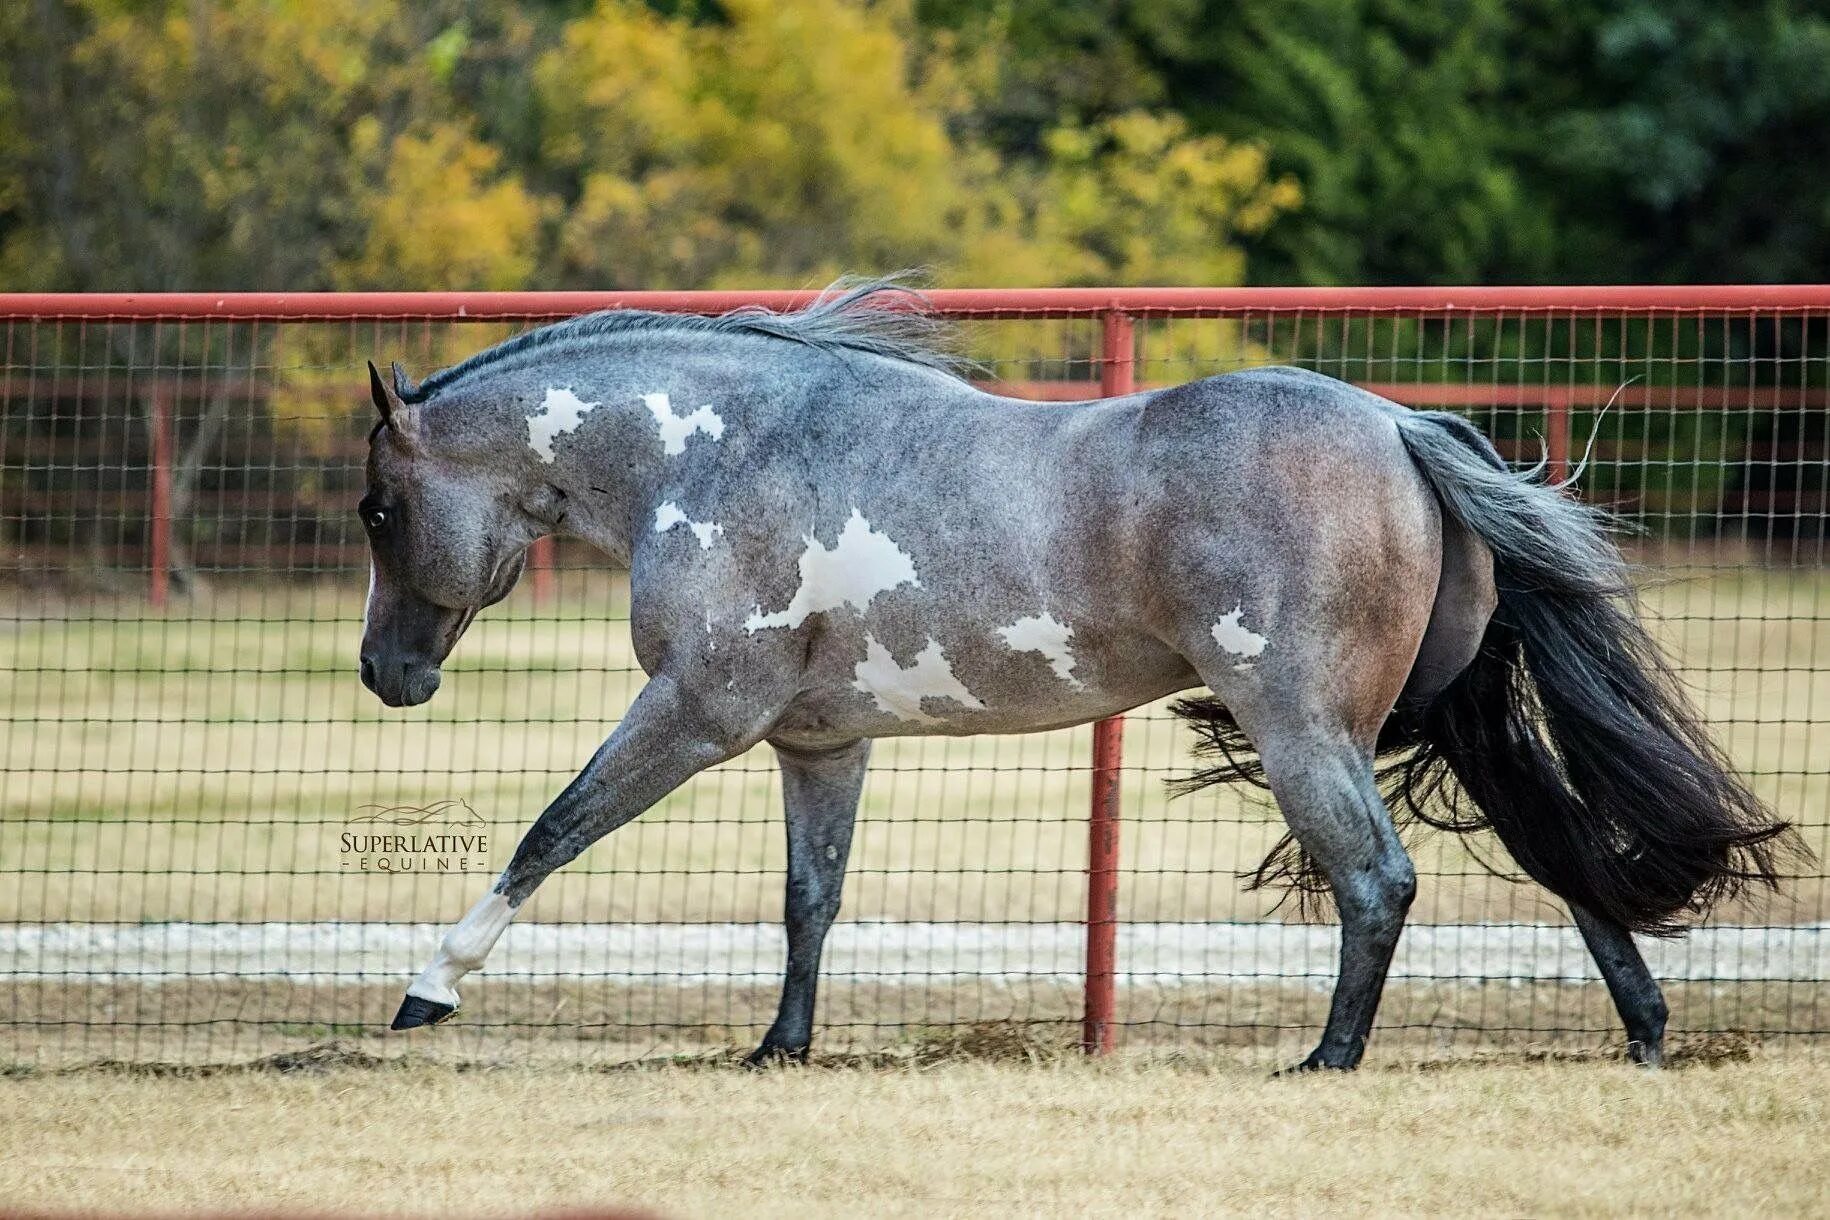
x=214, y=843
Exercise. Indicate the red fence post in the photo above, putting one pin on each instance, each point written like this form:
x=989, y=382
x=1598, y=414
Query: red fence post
x=159, y=520
x=1117, y=375
x=540, y=567
x=1556, y=437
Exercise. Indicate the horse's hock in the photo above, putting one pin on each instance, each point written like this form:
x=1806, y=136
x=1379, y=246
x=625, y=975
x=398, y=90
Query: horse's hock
x=215, y=846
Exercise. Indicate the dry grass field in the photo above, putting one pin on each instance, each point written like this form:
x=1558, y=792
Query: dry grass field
x=200, y=767
x=1016, y=1132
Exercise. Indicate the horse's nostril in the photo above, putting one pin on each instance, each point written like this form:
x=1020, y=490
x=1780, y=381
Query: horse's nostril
x=368, y=672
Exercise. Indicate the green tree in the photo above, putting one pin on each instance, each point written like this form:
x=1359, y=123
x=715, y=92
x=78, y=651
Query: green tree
x=1461, y=140
x=1680, y=140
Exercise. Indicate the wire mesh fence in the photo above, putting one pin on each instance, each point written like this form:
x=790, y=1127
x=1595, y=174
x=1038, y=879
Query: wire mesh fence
x=214, y=843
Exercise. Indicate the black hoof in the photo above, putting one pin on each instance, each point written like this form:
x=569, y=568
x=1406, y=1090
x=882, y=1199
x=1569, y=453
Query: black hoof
x=415, y=1012
x=1314, y=1063
x=1650, y=1054
x=768, y=1056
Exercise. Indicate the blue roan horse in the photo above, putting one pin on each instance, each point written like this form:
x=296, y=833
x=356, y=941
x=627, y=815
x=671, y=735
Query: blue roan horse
x=831, y=537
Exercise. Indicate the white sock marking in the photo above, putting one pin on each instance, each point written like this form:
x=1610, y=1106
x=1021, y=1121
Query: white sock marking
x=1044, y=634
x=669, y=515
x=1235, y=637
x=861, y=564
x=675, y=429
x=463, y=949
x=900, y=691
x=563, y=411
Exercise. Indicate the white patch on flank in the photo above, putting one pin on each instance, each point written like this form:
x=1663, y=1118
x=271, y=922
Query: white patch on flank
x=675, y=429
x=562, y=412
x=1235, y=637
x=1042, y=633
x=463, y=949
x=860, y=565
x=900, y=691
x=669, y=515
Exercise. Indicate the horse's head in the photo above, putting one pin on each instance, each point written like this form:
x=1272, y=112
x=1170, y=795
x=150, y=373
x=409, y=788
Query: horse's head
x=446, y=538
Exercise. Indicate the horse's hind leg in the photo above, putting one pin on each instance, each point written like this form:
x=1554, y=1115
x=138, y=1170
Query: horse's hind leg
x=820, y=792
x=1636, y=993
x=1324, y=787
x=1320, y=769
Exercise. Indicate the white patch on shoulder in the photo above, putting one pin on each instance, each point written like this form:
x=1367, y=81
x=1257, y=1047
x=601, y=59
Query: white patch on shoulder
x=669, y=515
x=561, y=412
x=1235, y=637
x=1044, y=634
x=900, y=691
x=861, y=564
x=675, y=429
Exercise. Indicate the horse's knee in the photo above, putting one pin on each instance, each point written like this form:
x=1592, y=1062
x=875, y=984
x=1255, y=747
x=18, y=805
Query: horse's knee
x=1397, y=879
x=1378, y=895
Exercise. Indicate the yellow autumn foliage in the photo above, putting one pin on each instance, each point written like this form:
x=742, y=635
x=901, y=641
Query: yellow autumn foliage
x=801, y=138
x=443, y=215
x=443, y=144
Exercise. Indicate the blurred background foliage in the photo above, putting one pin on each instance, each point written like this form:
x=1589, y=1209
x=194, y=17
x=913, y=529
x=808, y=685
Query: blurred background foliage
x=267, y=144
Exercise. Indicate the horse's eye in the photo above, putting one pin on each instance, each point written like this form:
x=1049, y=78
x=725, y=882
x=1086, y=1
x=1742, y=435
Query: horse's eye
x=375, y=518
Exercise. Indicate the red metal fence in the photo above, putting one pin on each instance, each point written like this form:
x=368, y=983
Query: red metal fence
x=205, y=448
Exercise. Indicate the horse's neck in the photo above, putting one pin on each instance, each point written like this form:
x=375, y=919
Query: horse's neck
x=612, y=430
x=620, y=453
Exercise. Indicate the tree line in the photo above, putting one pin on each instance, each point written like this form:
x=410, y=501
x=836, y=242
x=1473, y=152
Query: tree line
x=268, y=144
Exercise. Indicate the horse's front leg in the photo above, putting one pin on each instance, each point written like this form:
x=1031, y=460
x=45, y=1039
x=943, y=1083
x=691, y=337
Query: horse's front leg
x=820, y=793
x=662, y=742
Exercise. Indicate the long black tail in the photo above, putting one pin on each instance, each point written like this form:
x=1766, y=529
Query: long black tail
x=1568, y=736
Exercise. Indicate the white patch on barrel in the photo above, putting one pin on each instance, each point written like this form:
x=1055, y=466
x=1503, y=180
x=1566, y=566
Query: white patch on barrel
x=675, y=429
x=900, y=691
x=1235, y=637
x=1044, y=634
x=463, y=949
x=562, y=412
x=669, y=515
x=861, y=564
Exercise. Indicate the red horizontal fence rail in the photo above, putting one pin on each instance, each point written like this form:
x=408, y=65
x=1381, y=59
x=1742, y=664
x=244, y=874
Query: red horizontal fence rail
x=1117, y=312
x=961, y=302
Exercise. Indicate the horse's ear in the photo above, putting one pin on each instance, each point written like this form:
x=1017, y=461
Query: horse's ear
x=403, y=384
x=389, y=401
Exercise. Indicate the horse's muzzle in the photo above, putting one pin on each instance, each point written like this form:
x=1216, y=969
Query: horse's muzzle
x=397, y=682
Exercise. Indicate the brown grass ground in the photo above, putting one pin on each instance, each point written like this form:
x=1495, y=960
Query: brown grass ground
x=590, y=1023
x=1010, y=1131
